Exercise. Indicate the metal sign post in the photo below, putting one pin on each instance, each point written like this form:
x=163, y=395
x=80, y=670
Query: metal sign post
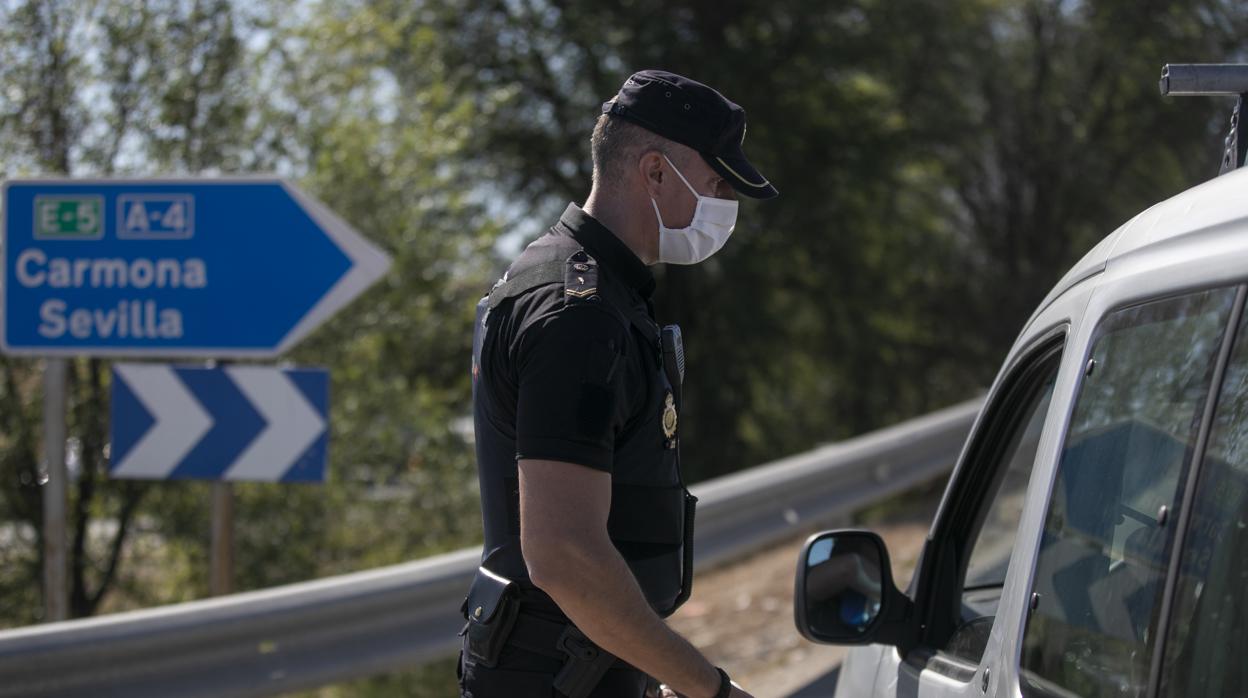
x=55, y=586
x=221, y=546
x=221, y=559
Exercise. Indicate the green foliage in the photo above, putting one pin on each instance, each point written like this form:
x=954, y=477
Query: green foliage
x=1049, y=133
x=940, y=165
x=386, y=160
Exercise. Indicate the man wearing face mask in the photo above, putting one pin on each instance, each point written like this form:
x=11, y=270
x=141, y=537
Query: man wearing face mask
x=576, y=398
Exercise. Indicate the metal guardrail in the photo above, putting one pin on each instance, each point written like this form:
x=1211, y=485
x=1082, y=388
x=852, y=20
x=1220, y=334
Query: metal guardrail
x=319, y=632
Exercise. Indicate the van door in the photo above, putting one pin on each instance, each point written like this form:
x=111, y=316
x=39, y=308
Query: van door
x=968, y=552
x=1207, y=600
x=1109, y=525
x=972, y=576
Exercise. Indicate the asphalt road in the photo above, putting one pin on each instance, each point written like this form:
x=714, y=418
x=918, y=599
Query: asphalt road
x=821, y=687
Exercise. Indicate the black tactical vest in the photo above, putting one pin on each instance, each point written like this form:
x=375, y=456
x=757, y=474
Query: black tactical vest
x=651, y=518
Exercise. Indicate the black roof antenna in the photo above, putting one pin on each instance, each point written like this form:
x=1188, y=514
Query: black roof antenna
x=1214, y=80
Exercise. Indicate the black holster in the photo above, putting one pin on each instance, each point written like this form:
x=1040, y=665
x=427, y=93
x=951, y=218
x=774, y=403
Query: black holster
x=686, y=567
x=490, y=608
x=585, y=665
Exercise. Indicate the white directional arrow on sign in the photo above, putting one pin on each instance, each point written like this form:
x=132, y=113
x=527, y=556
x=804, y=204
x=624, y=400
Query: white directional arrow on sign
x=180, y=421
x=292, y=423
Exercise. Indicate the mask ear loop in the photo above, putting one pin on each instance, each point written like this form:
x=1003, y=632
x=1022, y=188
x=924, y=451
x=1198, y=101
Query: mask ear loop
x=698, y=198
x=696, y=195
x=682, y=178
x=657, y=215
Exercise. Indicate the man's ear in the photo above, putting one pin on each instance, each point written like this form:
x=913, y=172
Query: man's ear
x=650, y=165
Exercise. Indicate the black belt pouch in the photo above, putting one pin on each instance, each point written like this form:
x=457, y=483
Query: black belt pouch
x=686, y=566
x=491, y=609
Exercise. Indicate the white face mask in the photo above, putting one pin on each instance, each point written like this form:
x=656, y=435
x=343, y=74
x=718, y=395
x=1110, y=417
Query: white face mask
x=713, y=221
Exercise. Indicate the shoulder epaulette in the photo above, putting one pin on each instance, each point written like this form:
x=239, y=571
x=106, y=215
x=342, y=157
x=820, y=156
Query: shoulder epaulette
x=580, y=276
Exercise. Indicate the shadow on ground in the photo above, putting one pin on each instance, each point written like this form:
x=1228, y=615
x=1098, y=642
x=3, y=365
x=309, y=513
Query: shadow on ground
x=822, y=687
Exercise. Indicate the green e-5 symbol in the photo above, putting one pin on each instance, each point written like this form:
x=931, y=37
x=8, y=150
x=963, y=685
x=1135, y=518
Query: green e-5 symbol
x=69, y=217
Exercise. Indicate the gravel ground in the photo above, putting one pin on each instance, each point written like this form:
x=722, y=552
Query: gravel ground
x=741, y=615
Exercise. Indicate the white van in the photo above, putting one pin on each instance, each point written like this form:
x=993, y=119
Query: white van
x=1093, y=540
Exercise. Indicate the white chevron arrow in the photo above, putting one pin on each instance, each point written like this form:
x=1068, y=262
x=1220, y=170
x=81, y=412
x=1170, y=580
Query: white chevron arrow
x=293, y=424
x=180, y=421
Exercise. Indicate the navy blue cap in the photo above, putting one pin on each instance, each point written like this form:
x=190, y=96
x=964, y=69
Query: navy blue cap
x=692, y=114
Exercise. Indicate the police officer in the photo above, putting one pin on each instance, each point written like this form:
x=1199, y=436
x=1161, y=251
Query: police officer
x=576, y=390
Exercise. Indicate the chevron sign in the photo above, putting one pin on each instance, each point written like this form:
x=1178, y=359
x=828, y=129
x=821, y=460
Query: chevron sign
x=227, y=423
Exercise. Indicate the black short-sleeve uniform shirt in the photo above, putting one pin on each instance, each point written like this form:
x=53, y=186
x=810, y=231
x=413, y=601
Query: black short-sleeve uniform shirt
x=570, y=368
x=568, y=379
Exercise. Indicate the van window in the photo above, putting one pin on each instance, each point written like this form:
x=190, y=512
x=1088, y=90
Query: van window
x=990, y=556
x=1206, y=643
x=1105, y=545
x=986, y=502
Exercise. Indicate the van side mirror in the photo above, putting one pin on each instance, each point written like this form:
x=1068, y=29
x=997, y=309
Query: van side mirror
x=845, y=594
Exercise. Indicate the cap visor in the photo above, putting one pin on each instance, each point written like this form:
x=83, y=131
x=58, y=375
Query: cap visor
x=741, y=175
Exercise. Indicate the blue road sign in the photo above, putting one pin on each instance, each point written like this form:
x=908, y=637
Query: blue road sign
x=195, y=267
x=227, y=423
